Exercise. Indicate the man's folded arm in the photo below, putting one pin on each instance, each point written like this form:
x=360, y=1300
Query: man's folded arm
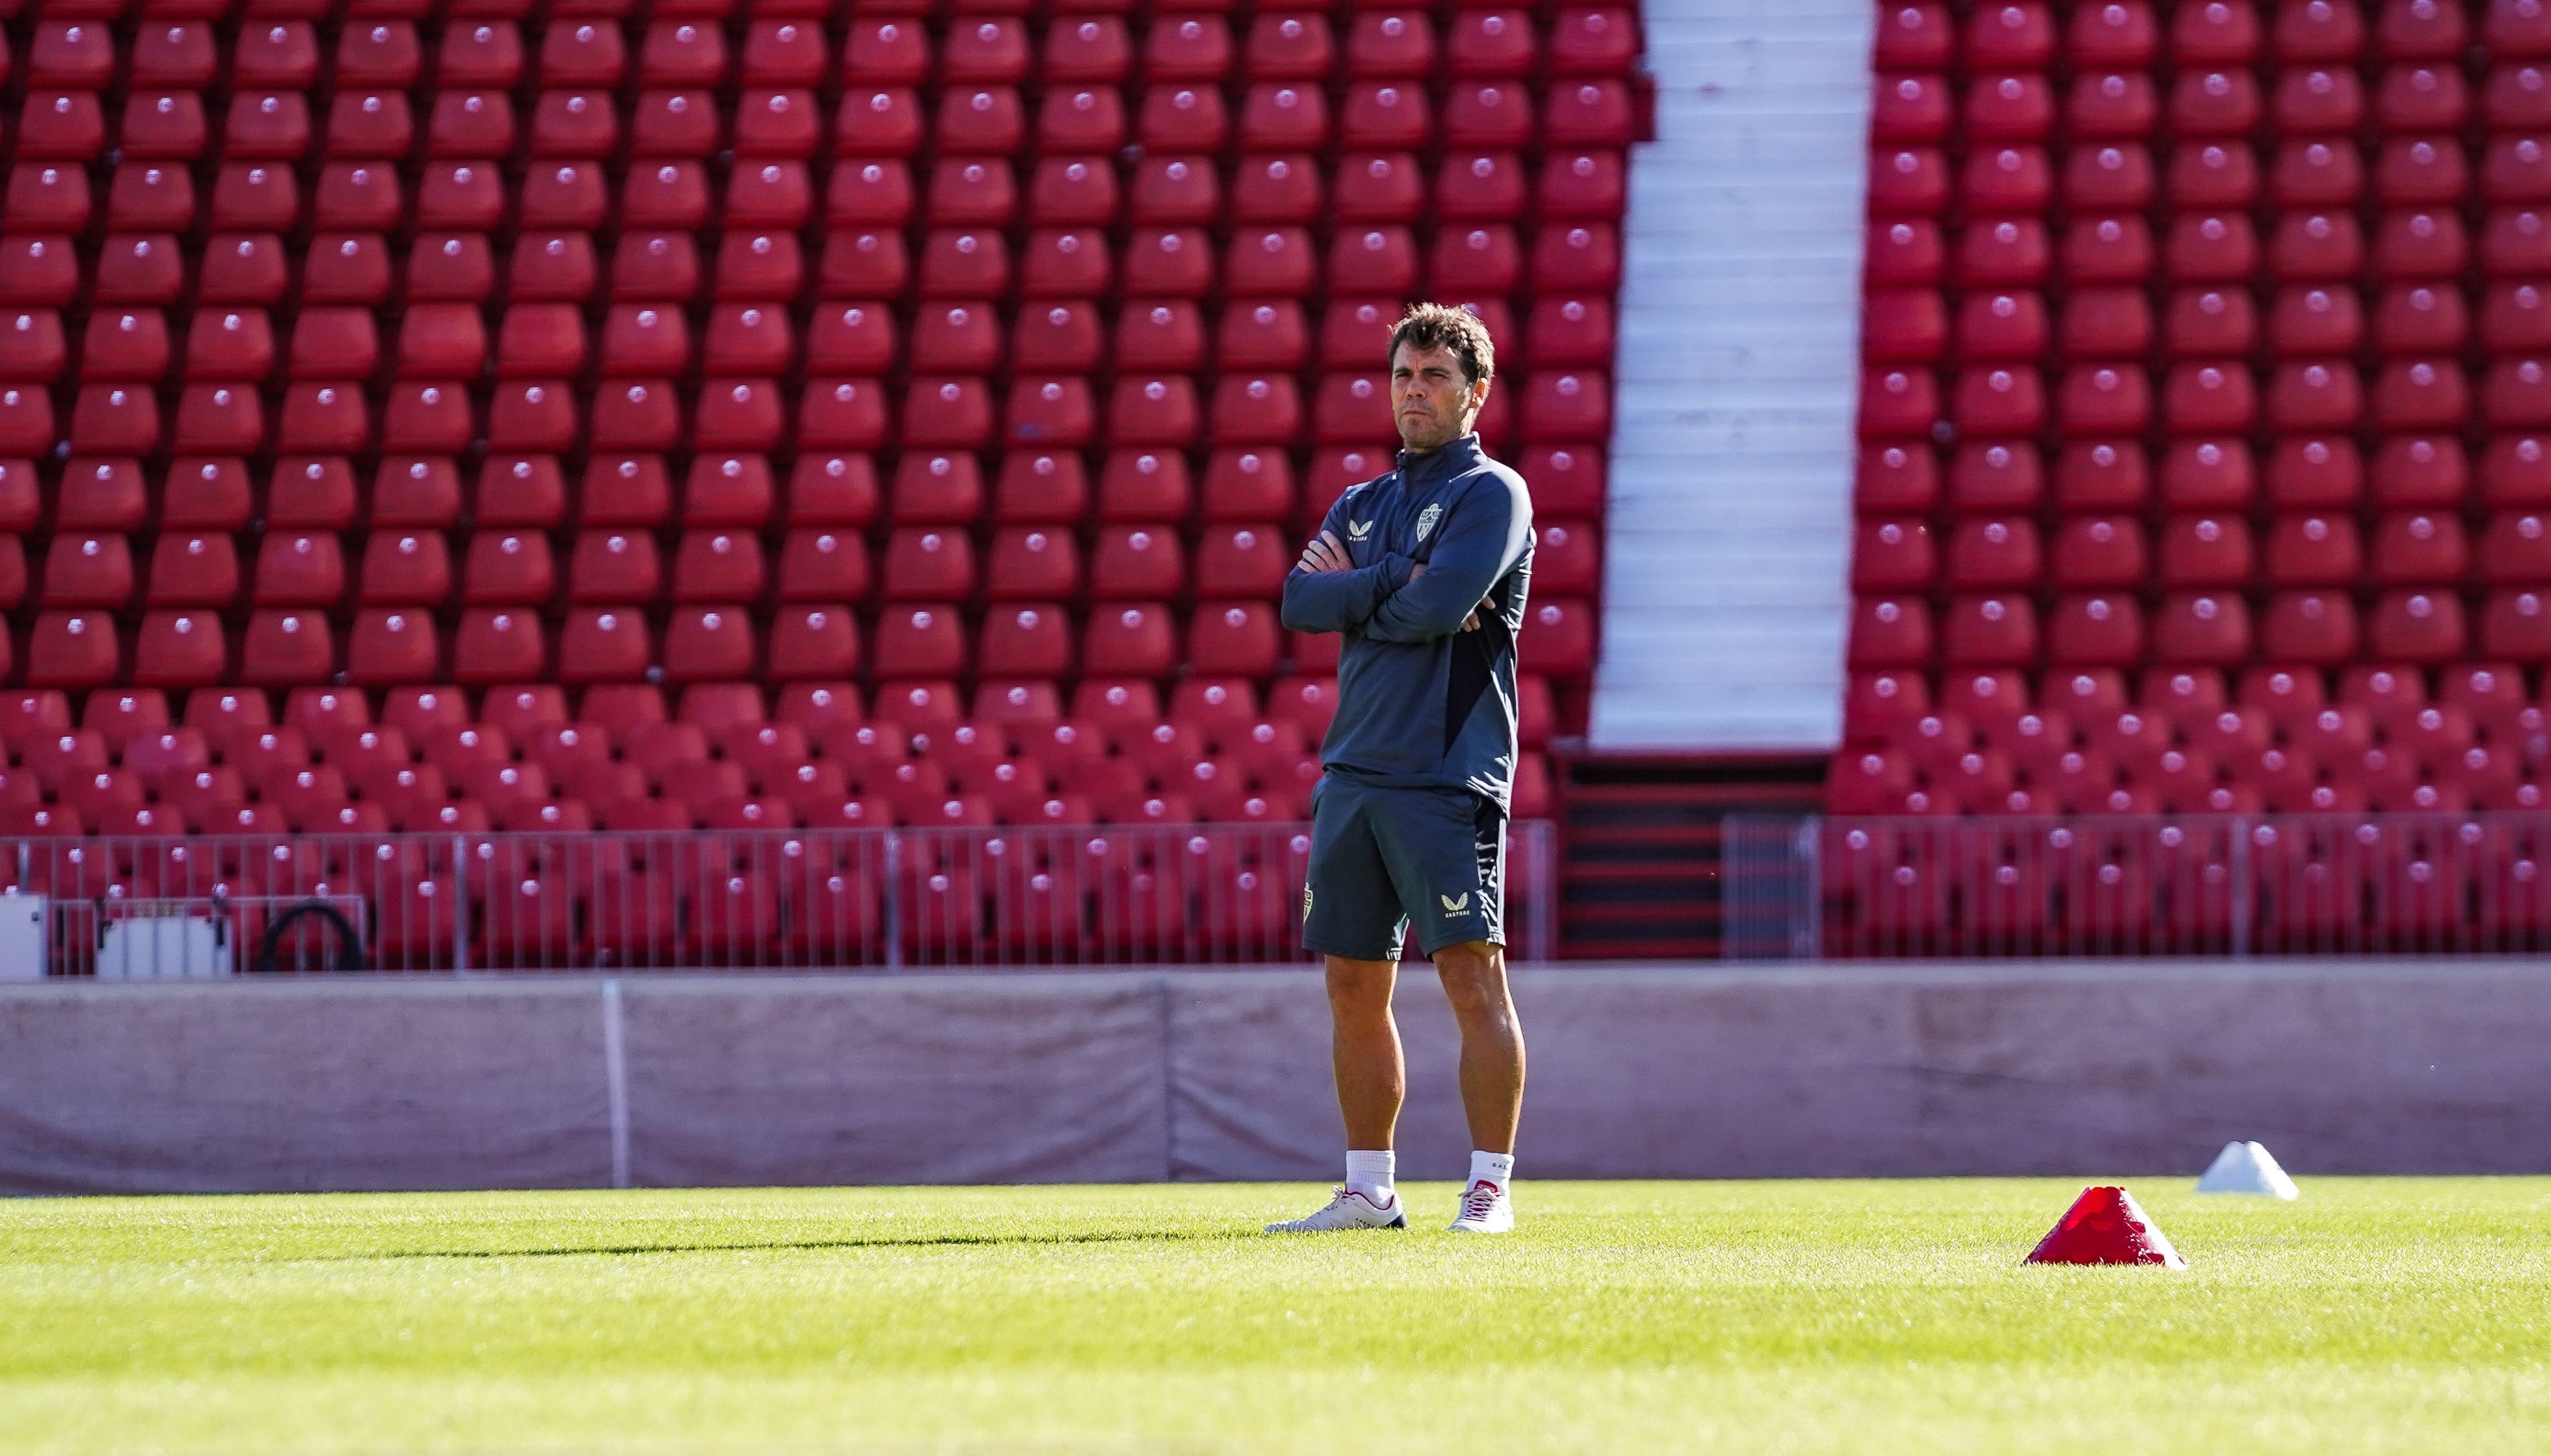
x=1339, y=602
x=1477, y=542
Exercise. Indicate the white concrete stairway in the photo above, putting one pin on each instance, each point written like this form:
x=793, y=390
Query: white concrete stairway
x=1726, y=596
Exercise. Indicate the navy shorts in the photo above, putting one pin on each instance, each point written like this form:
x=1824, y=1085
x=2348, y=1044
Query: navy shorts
x=1383, y=859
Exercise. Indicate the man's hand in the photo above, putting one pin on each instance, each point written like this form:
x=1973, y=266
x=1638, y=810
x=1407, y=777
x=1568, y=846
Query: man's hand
x=1325, y=554
x=1470, y=623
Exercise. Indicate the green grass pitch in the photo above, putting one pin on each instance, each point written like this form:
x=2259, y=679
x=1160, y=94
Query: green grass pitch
x=2374, y=1315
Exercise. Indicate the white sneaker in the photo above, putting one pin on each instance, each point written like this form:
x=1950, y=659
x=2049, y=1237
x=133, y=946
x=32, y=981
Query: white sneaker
x=1348, y=1209
x=1485, y=1208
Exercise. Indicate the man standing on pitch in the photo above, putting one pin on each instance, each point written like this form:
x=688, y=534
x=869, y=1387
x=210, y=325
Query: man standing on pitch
x=1422, y=572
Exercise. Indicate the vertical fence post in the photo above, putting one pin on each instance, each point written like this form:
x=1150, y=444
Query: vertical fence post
x=45, y=929
x=894, y=899
x=2241, y=888
x=1806, y=898
x=459, y=904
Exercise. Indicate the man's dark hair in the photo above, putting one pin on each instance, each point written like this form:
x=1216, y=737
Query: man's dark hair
x=1433, y=325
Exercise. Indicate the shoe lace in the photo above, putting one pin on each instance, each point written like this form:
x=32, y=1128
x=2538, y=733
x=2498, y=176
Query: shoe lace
x=1480, y=1201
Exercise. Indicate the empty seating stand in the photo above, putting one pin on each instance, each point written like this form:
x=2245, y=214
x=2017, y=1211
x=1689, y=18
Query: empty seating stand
x=510, y=416
x=2203, y=429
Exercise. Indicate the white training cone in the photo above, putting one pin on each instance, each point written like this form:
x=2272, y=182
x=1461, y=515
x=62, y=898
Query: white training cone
x=2247, y=1168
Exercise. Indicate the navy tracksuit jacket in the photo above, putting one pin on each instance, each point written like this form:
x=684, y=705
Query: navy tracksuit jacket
x=1423, y=703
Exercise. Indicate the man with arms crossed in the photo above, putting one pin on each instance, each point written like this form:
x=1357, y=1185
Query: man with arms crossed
x=1422, y=572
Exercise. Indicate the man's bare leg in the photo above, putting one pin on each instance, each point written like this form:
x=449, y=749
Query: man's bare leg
x=1475, y=982
x=1373, y=1079
x=1372, y=1083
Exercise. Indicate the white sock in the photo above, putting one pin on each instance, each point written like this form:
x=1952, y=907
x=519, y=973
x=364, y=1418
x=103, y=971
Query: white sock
x=1371, y=1173
x=1497, y=1168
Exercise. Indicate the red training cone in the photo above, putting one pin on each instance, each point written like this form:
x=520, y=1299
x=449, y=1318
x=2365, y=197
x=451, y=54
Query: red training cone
x=2104, y=1227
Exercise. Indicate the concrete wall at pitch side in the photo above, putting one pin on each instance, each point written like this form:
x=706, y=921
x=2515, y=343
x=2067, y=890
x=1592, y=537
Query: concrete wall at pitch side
x=1693, y=1071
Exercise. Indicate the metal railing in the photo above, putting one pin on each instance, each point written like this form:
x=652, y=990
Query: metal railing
x=871, y=898
x=2286, y=884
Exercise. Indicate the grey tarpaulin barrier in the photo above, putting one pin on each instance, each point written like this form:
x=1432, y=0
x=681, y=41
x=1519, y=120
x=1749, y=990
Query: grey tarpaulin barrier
x=305, y=1085
x=923, y=1080
x=1882, y=1070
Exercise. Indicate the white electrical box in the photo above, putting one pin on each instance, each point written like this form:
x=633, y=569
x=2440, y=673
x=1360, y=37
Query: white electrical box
x=22, y=937
x=163, y=947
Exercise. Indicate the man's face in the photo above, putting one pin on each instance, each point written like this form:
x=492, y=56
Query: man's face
x=1432, y=400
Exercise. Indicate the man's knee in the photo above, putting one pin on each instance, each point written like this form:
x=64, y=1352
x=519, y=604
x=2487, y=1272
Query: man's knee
x=1474, y=973
x=1361, y=988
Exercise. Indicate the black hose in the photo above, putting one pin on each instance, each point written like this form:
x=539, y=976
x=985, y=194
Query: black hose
x=349, y=954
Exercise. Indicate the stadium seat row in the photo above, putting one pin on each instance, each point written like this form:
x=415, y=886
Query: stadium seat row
x=278, y=647
x=2209, y=247
x=1041, y=486
x=2026, y=35
x=1885, y=707
x=1104, y=715
x=2387, y=754
x=290, y=53
x=681, y=793
x=2209, y=397
x=2212, y=628
x=143, y=195
x=2306, y=473
x=1362, y=261
x=441, y=340
x=2129, y=105
x=1144, y=562
x=142, y=754
x=1278, y=45
x=2312, y=320
x=2273, y=781
x=265, y=133
x=2300, y=172
x=1897, y=554
x=2136, y=738
x=1165, y=186
x=774, y=790
x=755, y=415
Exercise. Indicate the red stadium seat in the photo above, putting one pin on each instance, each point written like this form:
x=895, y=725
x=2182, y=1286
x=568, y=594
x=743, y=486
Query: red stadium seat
x=1992, y=553
x=287, y=648
x=2517, y=624
x=2099, y=550
x=919, y=642
x=2014, y=34
x=812, y=643
x=884, y=52
x=2418, y=627
x=603, y=644
x=2516, y=546
x=2211, y=628
x=2312, y=551
x=1080, y=190
x=1890, y=632
x=2094, y=630
x=2312, y=627
x=1996, y=476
